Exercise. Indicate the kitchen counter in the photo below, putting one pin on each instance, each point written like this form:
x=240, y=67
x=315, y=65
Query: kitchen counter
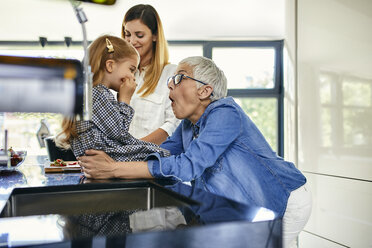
x=67, y=210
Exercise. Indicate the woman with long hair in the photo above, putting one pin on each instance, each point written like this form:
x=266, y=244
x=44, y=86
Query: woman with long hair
x=153, y=120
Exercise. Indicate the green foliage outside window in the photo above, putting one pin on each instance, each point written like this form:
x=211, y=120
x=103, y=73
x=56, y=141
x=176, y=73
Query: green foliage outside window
x=263, y=112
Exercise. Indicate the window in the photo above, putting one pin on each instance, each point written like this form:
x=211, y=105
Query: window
x=177, y=52
x=246, y=67
x=346, y=102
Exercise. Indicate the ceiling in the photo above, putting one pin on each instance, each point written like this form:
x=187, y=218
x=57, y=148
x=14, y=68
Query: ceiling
x=182, y=20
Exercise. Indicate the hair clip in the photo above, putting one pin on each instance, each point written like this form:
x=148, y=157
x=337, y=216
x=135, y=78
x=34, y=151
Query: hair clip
x=110, y=47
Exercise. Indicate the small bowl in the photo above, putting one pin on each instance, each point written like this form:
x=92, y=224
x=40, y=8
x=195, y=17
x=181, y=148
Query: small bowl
x=16, y=159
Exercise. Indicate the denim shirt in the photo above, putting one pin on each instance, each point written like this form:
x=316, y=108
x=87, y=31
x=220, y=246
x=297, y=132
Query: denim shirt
x=225, y=153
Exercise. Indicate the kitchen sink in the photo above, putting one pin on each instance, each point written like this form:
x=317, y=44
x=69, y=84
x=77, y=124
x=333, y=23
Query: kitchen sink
x=90, y=198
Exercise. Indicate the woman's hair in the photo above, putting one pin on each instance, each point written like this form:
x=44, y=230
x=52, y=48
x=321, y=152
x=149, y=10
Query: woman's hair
x=160, y=56
x=102, y=49
x=206, y=70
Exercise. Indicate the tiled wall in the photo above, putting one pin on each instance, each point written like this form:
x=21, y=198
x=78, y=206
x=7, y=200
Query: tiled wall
x=334, y=114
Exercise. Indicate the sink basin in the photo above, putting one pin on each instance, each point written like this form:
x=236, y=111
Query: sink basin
x=90, y=198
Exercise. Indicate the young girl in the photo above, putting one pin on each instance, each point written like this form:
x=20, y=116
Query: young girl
x=113, y=62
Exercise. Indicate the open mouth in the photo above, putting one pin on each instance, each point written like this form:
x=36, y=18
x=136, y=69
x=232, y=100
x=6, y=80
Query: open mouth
x=172, y=102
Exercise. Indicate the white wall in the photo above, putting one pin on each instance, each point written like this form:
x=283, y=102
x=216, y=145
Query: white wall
x=334, y=70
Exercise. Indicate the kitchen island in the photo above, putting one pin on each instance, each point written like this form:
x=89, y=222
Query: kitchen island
x=68, y=210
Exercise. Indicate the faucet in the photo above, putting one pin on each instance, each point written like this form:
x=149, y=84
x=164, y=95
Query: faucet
x=88, y=76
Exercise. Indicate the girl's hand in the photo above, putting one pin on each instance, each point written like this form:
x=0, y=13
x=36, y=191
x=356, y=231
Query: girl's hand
x=97, y=164
x=126, y=90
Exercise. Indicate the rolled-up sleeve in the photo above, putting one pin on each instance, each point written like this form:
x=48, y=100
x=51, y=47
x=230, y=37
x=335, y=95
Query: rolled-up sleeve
x=154, y=166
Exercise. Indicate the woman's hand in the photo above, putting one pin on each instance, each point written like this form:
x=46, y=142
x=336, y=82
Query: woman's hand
x=97, y=164
x=126, y=90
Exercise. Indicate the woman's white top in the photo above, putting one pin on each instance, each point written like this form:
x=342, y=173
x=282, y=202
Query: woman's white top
x=153, y=111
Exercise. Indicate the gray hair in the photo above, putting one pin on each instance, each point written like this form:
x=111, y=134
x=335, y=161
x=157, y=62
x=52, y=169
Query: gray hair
x=206, y=70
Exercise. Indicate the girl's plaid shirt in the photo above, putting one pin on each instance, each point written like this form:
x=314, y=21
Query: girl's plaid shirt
x=108, y=130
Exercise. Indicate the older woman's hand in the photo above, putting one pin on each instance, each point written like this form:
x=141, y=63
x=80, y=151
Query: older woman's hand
x=97, y=164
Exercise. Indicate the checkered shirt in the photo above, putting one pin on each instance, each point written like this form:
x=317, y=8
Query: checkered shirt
x=105, y=224
x=108, y=130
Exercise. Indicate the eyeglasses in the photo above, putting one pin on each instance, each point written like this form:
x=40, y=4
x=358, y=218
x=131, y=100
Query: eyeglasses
x=178, y=78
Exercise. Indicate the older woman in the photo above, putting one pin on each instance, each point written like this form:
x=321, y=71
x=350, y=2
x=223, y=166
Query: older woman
x=218, y=148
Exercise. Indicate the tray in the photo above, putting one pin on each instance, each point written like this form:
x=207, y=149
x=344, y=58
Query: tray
x=72, y=166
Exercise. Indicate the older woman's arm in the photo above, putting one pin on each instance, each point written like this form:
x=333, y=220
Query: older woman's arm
x=98, y=165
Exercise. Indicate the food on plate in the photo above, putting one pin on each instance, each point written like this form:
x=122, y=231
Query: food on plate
x=58, y=162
